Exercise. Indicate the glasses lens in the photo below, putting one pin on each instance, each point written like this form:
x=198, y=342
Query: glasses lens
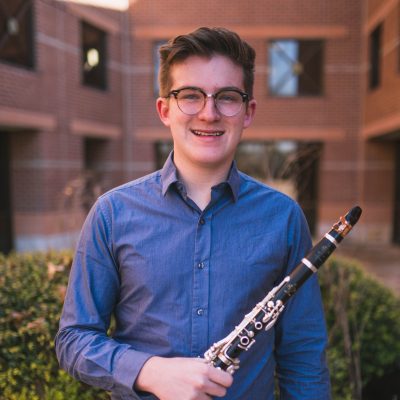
x=229, y=102
x=190, y=101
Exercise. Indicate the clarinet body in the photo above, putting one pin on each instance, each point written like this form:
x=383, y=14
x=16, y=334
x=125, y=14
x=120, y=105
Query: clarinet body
x=225, y=353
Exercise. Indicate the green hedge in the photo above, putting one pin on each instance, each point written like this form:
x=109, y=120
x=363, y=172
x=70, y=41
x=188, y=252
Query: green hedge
x=32, y=288
x=363, y=321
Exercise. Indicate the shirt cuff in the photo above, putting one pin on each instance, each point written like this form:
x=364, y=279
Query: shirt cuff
x=128, y=367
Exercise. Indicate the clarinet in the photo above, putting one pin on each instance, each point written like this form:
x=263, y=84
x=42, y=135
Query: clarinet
x=225, y=353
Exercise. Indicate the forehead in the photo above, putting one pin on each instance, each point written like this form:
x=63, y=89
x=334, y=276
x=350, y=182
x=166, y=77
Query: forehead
x=209, y=74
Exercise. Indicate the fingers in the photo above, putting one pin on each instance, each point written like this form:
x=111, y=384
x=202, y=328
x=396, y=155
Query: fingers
x=182, y=378
x=221, y=377
x=218, y=375
x=213, y=381
x=213, y=389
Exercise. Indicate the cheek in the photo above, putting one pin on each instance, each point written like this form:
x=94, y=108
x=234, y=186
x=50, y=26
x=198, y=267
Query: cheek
x=237, y=129
x=177, y=123
x=179, y=129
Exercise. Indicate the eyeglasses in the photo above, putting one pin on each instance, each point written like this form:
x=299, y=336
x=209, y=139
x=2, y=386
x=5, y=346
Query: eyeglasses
x=191, y=100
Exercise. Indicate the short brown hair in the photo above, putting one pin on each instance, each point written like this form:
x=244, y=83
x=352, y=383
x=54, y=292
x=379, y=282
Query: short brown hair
x=207, y=42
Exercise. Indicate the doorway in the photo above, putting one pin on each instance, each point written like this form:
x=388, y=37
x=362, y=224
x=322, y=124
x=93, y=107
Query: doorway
x=396, y=216
x=6, y=237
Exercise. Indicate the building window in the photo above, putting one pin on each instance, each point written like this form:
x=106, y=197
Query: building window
x=94, y=65
x=289, y=166
x=295, y=67
x=162, y=150
x=93, y=180
x=16, y=32
x=375, y=57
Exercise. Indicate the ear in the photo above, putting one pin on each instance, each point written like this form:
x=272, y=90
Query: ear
x=162, y=106
x=250, y=112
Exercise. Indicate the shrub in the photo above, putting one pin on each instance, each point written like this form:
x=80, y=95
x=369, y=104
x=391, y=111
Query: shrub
x=363, y=322
x=32, y=288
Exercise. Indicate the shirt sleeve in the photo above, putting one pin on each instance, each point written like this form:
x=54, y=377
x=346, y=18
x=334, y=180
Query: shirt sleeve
x=83, y=347
x=301, y=336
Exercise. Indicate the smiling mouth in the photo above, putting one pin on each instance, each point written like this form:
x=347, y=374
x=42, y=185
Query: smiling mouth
x=204, y=133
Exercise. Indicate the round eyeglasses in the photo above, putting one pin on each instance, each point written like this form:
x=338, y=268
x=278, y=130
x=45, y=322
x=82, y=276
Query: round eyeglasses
x=192, y=100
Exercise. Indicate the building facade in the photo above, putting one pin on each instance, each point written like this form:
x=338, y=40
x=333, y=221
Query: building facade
x=79, y=98
x=315, y=63
x=66, y=118
x=380, y=136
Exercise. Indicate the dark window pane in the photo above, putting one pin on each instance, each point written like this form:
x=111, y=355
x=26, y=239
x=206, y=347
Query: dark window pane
x=94, y=63
x=16, y=32
x=162, y=150
x=311, y=60
x=374, y=57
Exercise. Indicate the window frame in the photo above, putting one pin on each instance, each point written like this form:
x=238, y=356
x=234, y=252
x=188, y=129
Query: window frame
x=95, y=79
x=375, y=57
x=320, y=91
x=28, y=35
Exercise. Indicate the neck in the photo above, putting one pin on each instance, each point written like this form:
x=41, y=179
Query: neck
x=199, y=180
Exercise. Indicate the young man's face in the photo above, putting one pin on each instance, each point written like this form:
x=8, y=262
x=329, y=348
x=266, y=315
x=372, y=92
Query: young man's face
x=207, y=139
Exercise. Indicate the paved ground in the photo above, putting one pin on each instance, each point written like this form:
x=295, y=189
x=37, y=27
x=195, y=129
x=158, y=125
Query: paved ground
x=381, y=261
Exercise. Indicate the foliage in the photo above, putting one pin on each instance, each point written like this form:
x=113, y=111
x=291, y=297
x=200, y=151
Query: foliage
x=363, y=321
x=32, y=289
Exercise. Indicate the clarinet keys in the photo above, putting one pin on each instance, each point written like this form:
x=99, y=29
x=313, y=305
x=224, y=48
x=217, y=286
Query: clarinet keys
x=225, y=353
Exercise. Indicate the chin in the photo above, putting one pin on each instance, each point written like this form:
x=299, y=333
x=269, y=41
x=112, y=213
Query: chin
x=213, y=161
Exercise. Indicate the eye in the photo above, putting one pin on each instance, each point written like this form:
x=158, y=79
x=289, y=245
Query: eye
x=190, y=95
x=229, y=96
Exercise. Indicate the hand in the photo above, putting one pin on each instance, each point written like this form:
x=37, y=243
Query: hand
x=182, y=378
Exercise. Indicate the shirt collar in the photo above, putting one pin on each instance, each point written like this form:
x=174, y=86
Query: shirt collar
x=234, y=181
x=169, y=176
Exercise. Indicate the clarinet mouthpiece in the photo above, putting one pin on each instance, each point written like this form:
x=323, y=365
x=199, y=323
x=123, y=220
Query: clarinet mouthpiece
x=353, y=215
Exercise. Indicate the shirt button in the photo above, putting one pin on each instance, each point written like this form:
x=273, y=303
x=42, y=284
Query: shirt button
x=201, y=265
x=200, y=312
x=202, y=221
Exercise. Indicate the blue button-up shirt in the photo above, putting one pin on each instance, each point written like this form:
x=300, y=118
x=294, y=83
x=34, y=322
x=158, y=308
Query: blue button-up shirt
x=178, y=279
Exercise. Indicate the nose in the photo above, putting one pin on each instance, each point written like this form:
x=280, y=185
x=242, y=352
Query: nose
x=209, y=111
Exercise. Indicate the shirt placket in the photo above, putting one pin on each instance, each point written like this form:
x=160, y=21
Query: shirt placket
x=201, y=277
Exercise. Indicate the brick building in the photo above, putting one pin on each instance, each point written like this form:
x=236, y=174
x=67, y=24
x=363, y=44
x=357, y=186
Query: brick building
x=380, y=131
x=65, y=108
x=79, y=96
x=315, y=62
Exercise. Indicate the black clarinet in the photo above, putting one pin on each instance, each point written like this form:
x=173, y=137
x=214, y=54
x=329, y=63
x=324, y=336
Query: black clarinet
x=225, y=353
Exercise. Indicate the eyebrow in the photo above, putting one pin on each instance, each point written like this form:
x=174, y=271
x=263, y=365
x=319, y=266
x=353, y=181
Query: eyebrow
x=217, y=91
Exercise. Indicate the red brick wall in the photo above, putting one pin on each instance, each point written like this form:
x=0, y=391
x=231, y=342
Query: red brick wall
x=383, y=103
x=41, y=109
x=381, y=118
x=48, y=112
x=334, y=118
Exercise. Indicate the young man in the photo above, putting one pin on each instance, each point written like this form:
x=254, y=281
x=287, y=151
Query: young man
x=180, y=256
